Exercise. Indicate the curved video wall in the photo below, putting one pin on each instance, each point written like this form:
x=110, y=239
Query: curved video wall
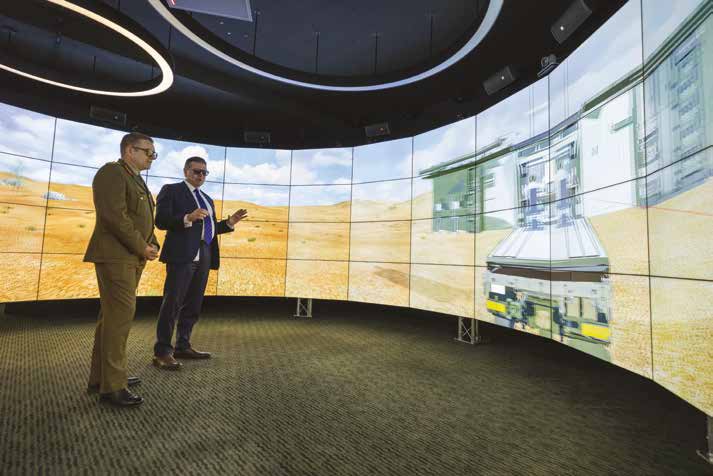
x=578, y=209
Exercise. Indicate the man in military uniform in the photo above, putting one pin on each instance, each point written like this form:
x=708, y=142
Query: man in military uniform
x=122, y=241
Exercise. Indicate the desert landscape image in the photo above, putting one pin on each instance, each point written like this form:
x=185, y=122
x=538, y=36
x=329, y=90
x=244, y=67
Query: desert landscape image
x=380, y=283
x=680, y=234
x=441, y=288
x=682, y=323
x=383, y=256
x=317, y=279
x=386, y=241
x=25, y=272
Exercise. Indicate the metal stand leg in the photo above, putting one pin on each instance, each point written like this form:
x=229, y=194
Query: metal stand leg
x=304, y=309
x=708, y=456
x=468, y=331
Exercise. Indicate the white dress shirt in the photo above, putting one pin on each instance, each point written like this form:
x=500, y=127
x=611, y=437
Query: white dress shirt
x=189, y=224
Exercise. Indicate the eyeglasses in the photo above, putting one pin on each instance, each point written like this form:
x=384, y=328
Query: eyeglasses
x=203, y=172
x=149, y=153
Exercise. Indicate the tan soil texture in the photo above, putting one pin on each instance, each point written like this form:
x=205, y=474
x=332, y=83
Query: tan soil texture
x=22, y=273
x=317, y=279
x=422, y=206
x=446, y=289
x=321, y=213
x=67, y=277
x=21, y=228
x=256, y=212
x=371, y=210
x=30, y=193
x=323, y=241
x=380, y=283
x=251, y=277
x=681, y=234
x=683, y=338
x=253, y=239
x=380, y=241
x=440, y=247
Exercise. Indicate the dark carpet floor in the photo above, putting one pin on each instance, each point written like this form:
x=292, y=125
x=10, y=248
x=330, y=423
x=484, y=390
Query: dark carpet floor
x=355, y=390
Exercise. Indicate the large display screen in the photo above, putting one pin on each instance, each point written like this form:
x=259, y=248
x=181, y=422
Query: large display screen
x=578, y=209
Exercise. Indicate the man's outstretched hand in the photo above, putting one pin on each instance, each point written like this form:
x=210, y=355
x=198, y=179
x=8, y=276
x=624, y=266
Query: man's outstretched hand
x=237, y=216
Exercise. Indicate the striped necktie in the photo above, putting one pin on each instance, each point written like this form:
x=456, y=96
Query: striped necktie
x=207, y=221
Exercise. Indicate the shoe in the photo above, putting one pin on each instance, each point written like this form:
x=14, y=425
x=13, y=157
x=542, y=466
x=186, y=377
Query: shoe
x=121, y=398
x=130, y=382
x=166, y=362
x=190, y=353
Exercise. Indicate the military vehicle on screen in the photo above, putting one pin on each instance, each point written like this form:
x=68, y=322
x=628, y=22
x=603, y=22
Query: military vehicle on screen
x=549, y=276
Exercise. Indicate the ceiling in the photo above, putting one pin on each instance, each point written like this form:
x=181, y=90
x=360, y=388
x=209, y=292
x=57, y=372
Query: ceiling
x=316, y=41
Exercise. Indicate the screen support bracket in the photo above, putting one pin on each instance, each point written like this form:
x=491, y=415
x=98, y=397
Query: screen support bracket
x=304, y=308
x=708, y=456
x=468, y=331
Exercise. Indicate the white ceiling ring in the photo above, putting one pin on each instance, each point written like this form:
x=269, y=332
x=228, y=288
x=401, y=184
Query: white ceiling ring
x=166, y=71
x=484, y=28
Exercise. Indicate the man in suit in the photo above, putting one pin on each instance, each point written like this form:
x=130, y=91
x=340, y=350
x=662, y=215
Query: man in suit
x=122, y=241
x=190, y=251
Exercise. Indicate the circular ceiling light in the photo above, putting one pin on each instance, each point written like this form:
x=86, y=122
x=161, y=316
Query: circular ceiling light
x=166, y=71
x=494, y=7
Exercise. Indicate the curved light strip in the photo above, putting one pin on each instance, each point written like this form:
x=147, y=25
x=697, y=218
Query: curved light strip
x=491, y=15
x=166, y=72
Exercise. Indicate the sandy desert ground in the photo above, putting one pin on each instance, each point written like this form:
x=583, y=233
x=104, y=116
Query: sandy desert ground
x=422, y=206
x=21, y=228
x=387, y=241
x=371, y=210
x=255, y=239
x=381, y=283
x=683, y=339
x=66, y=277
x=317, y=279
x=23, y=271
x=29, y=193
x=338, y=213
x=319, y=241
x=256, y=212
x=680, y=234
x=441, y=247
x=446, y=289
x=680, y=230
x=252, y=277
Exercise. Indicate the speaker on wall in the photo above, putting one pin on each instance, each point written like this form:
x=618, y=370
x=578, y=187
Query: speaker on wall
x=107, y=115
x=499, y=80
x=256, y=137
x=571, y=19
x=377, y=130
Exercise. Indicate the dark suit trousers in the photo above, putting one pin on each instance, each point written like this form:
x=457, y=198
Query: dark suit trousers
x=182, y=300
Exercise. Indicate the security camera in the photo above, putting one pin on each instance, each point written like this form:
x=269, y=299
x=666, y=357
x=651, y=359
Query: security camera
x=548, y=63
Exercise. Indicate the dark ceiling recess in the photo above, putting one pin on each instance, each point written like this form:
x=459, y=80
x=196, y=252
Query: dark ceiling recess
x=365, y=42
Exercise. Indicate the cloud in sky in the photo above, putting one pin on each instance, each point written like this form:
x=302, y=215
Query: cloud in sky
x=83, y=144
x=264, y=195
x=383, y=160
x=322, y=166
x=25, y=133
x=611, y=52
x=444, y=144
x=264, y=173
x=319, y=195
x=395, y=191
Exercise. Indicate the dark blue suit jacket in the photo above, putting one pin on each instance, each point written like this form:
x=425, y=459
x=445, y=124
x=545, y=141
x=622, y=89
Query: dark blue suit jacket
x=174, y=201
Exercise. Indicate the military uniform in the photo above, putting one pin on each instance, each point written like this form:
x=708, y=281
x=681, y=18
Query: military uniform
x=124, y=227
